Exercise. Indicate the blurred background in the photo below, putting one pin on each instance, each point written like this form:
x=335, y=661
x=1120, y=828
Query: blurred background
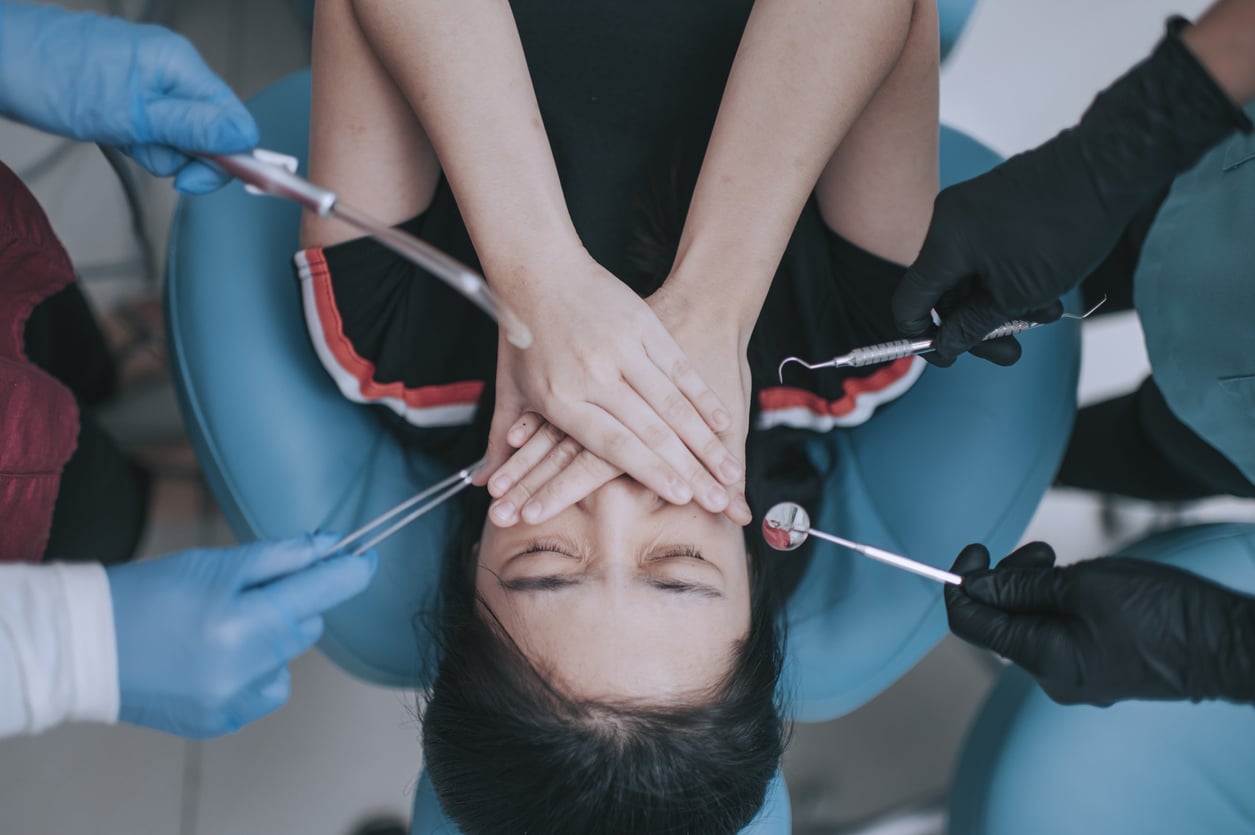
x=343, y=751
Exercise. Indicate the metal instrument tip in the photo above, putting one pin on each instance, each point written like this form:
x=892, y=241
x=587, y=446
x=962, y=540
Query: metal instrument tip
x=1087, y=313
x=786, y=361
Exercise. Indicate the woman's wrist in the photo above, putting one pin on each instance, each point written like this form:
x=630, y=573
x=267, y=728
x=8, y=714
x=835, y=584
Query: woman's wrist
x=706, y=306
x=522, y=268
x=725, y=287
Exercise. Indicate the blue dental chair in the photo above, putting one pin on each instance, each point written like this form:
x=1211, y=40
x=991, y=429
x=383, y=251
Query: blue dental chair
x=965, y=455
x=1034, y=767
x=953, y=17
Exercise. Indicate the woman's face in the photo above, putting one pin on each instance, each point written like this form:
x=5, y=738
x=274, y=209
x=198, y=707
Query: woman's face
x=623, y=596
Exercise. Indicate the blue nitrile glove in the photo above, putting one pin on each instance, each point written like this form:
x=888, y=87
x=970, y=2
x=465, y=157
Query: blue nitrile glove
x=205, y=637
x=138, y=87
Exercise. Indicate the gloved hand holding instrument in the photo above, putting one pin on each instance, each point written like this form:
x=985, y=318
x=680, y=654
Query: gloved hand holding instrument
x=139, y=88
x=1007, y=244
x=1109, y=629
x=204, y=637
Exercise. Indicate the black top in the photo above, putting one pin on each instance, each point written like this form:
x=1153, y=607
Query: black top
x=628, y=93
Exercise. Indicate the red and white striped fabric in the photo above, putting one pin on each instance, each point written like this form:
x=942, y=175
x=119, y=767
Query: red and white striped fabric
x=802, y=409
x=449, y=404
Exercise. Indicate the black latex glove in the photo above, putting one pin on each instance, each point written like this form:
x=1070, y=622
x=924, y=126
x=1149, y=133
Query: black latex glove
x=1108, y=629
x=1009, y=243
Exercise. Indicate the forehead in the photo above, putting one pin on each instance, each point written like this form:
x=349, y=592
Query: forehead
x=595, y=649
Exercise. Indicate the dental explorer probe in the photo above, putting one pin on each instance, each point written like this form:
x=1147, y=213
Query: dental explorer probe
x=787, y=525
x=444, y=491
x=269, y=172
x=899, y=348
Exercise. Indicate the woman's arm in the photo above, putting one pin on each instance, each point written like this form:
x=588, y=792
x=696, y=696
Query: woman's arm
x=462, y=70
x=804, y=72
x=602, y=367
x=835, y=97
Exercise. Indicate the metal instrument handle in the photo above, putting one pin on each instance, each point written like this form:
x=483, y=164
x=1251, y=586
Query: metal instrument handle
x=1015, y=326
x=266, y=172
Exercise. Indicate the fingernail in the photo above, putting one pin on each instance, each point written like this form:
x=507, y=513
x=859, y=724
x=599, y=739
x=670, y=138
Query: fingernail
x=531, y=512
x=722, y=419
x=372, y=559
x=731, y=470
x=500, y=484
x=503, y=511
x=718, y=498
x=679, y=492
x=742, y=509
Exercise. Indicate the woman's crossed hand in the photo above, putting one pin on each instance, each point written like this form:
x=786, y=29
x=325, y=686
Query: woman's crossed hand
x=549, y=469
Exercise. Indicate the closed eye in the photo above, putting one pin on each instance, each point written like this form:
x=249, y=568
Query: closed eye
x=552, y=582
x=684, y=587
x=547, y=547
x=549, y=582
x=679, y=551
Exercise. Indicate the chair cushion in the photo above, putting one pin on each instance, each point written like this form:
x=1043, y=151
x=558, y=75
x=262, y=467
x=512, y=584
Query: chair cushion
x=1034, y=767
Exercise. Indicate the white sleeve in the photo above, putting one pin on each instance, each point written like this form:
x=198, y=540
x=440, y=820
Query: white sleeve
x=58, y=654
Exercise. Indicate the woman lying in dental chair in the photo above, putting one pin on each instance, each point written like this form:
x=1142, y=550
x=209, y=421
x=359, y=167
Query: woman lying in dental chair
x=658, y=667
x=609, y=663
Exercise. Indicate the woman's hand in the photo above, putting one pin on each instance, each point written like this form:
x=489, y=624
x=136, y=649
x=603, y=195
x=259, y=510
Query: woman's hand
x=605, y=371
x=551, y=471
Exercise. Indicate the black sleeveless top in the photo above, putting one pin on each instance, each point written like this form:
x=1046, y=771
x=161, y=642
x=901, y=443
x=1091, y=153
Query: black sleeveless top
x=628, y=93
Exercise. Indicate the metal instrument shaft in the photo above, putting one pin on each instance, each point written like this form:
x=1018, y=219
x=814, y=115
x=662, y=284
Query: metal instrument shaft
x=787, y=525
x=443, y=491
x=899, y=348
x=268, y=172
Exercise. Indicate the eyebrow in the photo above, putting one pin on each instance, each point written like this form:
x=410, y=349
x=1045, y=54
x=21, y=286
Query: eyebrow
x=553, y=582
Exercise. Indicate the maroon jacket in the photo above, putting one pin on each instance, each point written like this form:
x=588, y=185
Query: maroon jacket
x=38, y=416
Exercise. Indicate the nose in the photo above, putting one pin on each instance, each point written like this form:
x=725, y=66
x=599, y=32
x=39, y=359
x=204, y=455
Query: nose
x=621, y=495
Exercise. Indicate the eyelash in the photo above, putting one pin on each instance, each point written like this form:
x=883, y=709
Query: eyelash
x=557, y=548
x=680, y=551
x=539, y=546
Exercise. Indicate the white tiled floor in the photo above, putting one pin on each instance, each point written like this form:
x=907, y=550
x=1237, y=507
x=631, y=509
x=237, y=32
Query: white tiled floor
x=343, y=750
x=339, y=752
